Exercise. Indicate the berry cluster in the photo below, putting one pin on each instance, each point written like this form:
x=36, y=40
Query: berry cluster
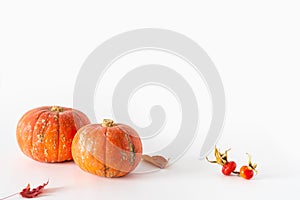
x=228, y=167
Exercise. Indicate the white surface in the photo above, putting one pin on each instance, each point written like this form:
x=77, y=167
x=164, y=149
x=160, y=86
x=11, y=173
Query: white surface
x=254, y=45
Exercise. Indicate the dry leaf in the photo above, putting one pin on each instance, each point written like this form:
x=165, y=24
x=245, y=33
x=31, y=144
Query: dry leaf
x=27, y=193
x=158, y=161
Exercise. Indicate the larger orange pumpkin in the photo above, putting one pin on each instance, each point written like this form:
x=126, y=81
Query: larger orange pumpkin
x=46, y=133
x=107, y=149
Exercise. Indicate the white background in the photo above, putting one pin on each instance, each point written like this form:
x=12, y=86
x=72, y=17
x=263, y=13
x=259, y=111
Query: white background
x=255, y=45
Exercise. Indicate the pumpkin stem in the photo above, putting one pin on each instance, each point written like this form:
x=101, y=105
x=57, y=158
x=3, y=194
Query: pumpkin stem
x=107, y=123
x=56, y=109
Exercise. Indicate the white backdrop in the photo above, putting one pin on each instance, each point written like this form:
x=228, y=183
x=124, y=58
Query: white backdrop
x=254, y=45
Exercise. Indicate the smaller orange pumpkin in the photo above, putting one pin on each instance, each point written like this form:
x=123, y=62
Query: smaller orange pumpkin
x=107, y=149
x=45, y=134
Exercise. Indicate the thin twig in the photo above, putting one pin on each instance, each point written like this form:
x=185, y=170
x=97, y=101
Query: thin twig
x=9, y=196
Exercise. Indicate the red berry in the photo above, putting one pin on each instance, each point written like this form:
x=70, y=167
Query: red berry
x=246, y=172
x=228, y=168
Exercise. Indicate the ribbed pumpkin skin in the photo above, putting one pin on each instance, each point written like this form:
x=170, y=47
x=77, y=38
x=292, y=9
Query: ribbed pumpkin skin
x=45, y=134
x=107, y=151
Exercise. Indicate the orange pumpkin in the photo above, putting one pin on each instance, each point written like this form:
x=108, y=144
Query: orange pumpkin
x=46, y=133
x=107, y=149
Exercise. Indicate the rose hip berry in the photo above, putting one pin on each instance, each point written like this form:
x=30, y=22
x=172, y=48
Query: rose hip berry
x=228, y=168
x=221, y=158
x=247, y=172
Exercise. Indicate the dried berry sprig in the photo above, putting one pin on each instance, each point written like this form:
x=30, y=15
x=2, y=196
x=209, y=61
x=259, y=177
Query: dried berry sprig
x=29, y=193
x=247, y=171
x=228, y=167
x=222, y=159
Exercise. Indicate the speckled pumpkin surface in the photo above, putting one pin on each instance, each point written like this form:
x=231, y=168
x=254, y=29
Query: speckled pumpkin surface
x=107, y=149
x=45, y=134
